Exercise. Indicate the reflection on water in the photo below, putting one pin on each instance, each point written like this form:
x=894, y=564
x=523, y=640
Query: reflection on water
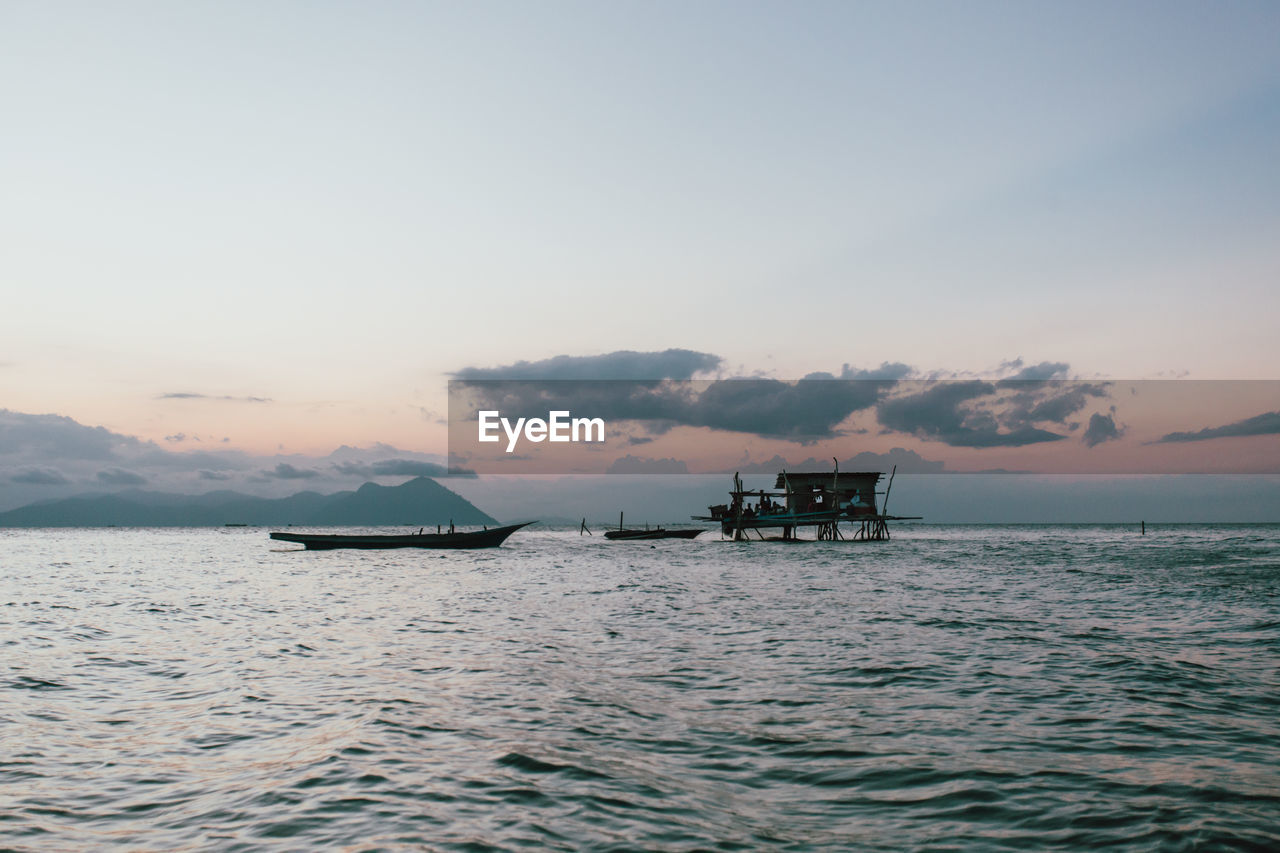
x=976, y=686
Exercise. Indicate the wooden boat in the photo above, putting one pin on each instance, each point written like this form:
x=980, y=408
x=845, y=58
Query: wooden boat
x=654, y=533
x=489, y=538
x=621, y=532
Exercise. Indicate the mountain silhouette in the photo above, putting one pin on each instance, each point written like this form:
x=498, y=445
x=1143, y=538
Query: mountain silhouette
x=420, y=501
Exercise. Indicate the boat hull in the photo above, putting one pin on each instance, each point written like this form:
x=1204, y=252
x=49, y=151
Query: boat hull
x=659, y=533
x=491, y=538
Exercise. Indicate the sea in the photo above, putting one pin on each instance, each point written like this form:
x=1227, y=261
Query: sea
x=969, y=687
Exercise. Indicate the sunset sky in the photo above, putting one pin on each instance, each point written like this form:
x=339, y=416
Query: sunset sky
x=277, y=229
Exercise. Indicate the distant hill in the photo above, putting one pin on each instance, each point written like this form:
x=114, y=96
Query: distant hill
x=420, y=501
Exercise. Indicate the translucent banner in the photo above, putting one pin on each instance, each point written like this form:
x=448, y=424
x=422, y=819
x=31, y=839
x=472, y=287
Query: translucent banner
x=918, y=425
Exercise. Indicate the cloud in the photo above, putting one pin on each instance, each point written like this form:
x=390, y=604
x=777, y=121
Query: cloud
x=906, y=461
x=1005, y=413
x=1102, y=428
x=353, y=469
x=120, y=477
x=285, y=471
x=623, y=364
x=805, y=410
x=190, y=395
x=1041, y=372
x=193, y=460
x=644, y=465
x=1047, y=401
x=769, y=466
x=398, y=468
x=407, y=468
x=39, y=477
x=384, y=460
x=176, y=438
x=213, y=475
x=58, y=437
x=1267, y=423
x=942, y=413
x=809, y=409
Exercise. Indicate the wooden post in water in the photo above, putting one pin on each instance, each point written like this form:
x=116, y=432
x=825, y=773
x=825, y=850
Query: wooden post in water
x=738, y=498
x=1144, y=528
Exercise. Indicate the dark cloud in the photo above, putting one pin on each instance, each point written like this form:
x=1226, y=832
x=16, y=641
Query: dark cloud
x=1049, y=401
x=213, y=475
x=1268, y=423
x=1043, y=371
x=943, y=412
x=176, y=438
x=804, y=410
x=809, y=409
x=1102, y=428
x=58, y=437
x=769, y=466
x=120, y=477
x=385, y=460
x=353, y=469
x=644, y=465
x=285, y=471
x=414, y=468
x=189, y=395
x=906, y=461
x=194, y=460
x=398, y=468
x=623, y=364
x=1006, y=413
x=407, y=468
x=39, y=477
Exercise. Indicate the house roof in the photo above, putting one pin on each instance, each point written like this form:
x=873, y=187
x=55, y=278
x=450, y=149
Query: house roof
x=808, y=479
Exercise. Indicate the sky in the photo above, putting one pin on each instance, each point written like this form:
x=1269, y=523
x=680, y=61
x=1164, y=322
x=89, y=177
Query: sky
x=279, y=229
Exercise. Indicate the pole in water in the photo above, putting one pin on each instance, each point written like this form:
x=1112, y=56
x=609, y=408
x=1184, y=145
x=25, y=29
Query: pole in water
x=1144, y=528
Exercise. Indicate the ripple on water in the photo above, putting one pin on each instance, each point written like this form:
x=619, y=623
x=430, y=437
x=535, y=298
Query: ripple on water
x=975, y=687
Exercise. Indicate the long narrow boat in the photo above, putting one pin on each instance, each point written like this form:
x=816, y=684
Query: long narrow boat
x=621, y=532
x=490, y=538
x=655, y=533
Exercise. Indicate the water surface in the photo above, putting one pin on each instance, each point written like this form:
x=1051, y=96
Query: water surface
x=983, y=687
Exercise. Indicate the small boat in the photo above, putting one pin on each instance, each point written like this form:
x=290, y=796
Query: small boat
x=487, y=538
x=651, y=533
x=654, y=533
